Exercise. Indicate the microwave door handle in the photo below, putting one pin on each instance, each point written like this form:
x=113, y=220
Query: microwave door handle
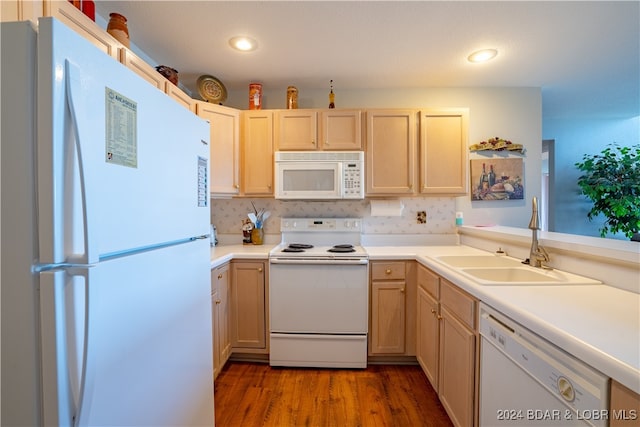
x=340, y=180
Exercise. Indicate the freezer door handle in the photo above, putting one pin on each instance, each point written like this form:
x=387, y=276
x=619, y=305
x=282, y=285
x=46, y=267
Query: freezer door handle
x=77, y=108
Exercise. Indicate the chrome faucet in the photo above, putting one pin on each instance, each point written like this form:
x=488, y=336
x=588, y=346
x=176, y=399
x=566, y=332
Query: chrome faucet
x=538, y=254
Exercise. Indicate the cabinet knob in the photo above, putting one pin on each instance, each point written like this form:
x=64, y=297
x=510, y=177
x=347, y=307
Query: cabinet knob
x=433, y=311
x=218, y=301
x=439, y=317
x=402, y=290
x=388, y=271
x=220, y=276
x=259, y=269
x=237, y=186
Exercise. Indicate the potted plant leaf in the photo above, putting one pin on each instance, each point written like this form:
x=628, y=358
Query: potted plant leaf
x=611, y=180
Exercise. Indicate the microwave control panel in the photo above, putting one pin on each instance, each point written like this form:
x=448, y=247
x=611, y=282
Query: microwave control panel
x=353, y=180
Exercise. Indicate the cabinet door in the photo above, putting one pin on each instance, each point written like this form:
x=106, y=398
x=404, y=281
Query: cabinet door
x=257, y=153
x=181, y=97
x=224, y=143
x=248, y=327
x=625, y=406
x=428, y=331
x=21, y=10
x=220, y=316
x=456, y=380
x=340, y=130
x=391, y=152
x=296, y=130
x=388, y=317
x=144, y=70
x=72, y=17
x=443, y=152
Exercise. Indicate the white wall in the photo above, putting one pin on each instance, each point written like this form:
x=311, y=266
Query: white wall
x=511, y=113
x=573, y=139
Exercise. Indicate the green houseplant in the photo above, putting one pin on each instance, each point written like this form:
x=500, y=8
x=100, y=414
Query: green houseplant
x=611, y=180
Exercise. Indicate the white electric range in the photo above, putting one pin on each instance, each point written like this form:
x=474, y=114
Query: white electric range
x=319, y=294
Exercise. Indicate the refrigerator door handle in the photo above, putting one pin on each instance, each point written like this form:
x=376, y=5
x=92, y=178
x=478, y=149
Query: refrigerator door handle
x=76, y=106
x=88, y=349
x=67, y=334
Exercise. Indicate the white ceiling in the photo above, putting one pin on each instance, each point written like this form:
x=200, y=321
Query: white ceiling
x=584, y=55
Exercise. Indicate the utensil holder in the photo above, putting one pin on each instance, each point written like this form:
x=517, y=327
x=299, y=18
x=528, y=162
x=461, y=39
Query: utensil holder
x=257, y=236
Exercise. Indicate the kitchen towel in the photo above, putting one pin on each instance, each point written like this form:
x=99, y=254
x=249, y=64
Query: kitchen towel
x=386, y=208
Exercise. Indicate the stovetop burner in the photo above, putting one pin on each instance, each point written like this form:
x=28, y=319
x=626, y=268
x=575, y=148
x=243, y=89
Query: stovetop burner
x=346, y=248
x=297, y=247
x=300, y=246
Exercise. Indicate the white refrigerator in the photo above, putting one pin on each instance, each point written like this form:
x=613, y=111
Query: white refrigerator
x=106, y=303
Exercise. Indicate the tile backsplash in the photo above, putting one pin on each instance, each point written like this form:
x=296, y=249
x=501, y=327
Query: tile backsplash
x=227, y=214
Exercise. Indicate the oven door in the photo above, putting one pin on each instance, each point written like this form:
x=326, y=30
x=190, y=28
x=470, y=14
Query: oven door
x=319, y=296
x=308, y=180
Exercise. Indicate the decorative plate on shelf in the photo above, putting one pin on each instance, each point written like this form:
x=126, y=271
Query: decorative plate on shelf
x=211, y=89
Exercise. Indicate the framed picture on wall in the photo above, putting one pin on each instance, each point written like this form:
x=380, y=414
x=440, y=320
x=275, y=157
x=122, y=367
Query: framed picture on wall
x=497, y=179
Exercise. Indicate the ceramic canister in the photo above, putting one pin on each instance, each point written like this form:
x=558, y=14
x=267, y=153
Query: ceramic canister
x=117, y=27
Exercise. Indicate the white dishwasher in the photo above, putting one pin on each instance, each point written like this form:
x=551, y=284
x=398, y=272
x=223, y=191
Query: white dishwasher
x=527, y=381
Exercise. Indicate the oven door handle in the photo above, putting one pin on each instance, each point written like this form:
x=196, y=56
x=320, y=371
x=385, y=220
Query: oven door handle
x=318, y=261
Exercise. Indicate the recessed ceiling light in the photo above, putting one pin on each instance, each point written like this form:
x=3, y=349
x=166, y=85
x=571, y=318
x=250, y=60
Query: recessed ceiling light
x=482, y=55
x=244, y=44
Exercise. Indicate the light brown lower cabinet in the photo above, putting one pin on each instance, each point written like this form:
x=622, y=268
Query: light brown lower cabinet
x=220, y=317
x=248, y=299
x=428, y=325
x=456, y=374
x=392, y=309
x=624, y=409
x=446, y=344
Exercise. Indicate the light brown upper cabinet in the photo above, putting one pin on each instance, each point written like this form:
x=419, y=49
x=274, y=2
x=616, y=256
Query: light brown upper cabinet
x=391, y=152
x=224, y=146
x=257, y=153
x=143, y=69
x=318, y=130
x=182, y=98
x=340, y=130
x=296, y=130
x=443, y=151
x=72, y=17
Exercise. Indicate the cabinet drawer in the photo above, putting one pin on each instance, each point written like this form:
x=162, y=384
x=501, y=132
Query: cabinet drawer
x=429, y=281
x=459, y=303
x=387, y=270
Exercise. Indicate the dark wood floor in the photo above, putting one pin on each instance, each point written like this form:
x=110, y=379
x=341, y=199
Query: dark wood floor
x=255, y=394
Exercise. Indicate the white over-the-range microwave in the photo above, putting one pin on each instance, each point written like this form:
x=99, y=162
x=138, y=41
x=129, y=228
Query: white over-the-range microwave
x=319, y=175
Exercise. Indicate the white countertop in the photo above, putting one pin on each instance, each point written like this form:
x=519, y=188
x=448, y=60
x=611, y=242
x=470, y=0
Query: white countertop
x=597, y=324
x=225, y=253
